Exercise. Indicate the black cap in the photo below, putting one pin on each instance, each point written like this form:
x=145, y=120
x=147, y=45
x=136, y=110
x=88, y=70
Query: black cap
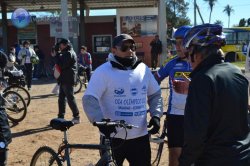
x=64, y=41
x=121, y=38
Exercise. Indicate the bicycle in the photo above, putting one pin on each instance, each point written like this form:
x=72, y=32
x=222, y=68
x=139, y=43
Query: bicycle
x=15, y=105
x=16, y=84
x=81, y=79
x=63, y=154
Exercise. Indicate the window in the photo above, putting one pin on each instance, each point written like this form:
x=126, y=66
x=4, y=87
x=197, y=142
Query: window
x=102, y=43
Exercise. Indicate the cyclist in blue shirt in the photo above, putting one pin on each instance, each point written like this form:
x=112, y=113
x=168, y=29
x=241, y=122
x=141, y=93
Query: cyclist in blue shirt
x=174, y=69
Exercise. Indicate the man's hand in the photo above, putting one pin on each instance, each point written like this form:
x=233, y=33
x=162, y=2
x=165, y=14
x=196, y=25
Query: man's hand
x=181, y=86
x=107, y=130
x=155, y=122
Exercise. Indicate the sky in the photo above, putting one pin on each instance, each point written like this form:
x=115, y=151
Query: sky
x=241, y=10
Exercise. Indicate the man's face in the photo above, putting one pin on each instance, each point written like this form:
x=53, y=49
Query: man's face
x=179, y=48
x=196, y=58
x=62, y=46
x=27, y=45
x=127, y=49
x=83, y=50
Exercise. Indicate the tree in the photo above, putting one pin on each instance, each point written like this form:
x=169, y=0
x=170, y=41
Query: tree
x=219, y=22
x=211, y=5
x=176, y=11
x=228, y=10
x=242, y=22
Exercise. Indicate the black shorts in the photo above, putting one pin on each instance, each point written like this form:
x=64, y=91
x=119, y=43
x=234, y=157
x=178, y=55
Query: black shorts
x=175, y=130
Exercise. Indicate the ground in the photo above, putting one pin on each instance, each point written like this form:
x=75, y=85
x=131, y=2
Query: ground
x=34, y=131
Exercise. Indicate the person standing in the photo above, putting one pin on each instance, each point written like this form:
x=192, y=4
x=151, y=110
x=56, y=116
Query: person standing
x=177, y=100
x=156, y=49
x=119, y=90
x=25, y=55
x=66, y=59
x=39, y=68
x=216, y=130
x=84, y=58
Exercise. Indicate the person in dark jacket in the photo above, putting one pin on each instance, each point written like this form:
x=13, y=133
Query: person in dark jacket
x=216, y=131
x=156, y=49
x=66, y=59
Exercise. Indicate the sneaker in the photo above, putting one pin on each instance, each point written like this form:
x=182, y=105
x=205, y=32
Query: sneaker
x=76, y=120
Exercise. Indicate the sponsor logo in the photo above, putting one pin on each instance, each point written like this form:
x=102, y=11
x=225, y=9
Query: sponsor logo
x=133, y=91
x=119, y=91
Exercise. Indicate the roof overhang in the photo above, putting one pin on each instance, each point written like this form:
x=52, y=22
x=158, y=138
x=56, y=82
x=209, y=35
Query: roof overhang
x=53, y=5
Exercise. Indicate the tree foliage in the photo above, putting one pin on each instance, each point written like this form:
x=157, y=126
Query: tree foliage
x=176, y=11
x=211, y=4
x=242, y=22
x=228, y=10
x=219, y=22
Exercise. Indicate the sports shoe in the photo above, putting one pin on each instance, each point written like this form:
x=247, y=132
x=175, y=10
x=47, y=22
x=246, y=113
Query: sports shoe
x=76, y=120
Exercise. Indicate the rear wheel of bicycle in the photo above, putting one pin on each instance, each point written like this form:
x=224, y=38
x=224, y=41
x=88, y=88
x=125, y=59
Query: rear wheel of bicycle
x=16, y=108
x=22, y=91
x=45, y=156
x=78, y=85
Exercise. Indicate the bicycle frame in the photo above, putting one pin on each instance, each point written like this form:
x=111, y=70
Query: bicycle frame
x=106, y=157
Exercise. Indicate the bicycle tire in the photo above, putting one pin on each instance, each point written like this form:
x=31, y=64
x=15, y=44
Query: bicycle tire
x=78, y=85
x=51, y=159
x=111, y=164
x=15, y=113
x=25, y=94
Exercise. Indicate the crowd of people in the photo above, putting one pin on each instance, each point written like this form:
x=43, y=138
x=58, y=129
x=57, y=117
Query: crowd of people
x=207, y=114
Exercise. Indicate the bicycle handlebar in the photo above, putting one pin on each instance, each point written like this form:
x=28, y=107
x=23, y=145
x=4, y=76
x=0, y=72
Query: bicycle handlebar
x=118, y=123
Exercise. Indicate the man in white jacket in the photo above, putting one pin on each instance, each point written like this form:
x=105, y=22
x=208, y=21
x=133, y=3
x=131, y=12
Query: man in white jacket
x=120, y=90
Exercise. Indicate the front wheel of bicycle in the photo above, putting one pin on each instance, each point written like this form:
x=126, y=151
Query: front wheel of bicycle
x=16, y=108
x=45, y=156
x=21, y=90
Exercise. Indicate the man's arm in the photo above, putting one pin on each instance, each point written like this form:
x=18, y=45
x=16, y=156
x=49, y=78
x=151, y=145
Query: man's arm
x=155, y=104
x=197, y=114
x=92, y=108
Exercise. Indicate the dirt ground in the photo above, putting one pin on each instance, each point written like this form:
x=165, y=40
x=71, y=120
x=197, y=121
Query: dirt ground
x=34, y=131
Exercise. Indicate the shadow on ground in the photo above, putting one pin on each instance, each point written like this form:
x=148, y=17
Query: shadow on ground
x=31, y=131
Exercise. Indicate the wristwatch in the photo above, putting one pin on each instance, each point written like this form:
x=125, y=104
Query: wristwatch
x=2, y=145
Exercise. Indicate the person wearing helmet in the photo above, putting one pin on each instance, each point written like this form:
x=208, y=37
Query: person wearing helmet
x=25, y=56
x=216, y=130
x=177, y=99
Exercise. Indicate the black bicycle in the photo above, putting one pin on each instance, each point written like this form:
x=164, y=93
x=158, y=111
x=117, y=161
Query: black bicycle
x=47, y=156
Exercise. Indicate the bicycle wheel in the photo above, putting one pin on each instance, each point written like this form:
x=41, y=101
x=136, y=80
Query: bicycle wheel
x=78, y=85
x=22, y=91
x=16, y=108
x=45, y=156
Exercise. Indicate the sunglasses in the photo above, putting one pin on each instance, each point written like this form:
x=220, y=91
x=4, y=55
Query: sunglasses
x=125, y=47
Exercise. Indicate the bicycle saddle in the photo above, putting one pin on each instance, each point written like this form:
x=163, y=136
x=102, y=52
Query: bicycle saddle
x=61, y=124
